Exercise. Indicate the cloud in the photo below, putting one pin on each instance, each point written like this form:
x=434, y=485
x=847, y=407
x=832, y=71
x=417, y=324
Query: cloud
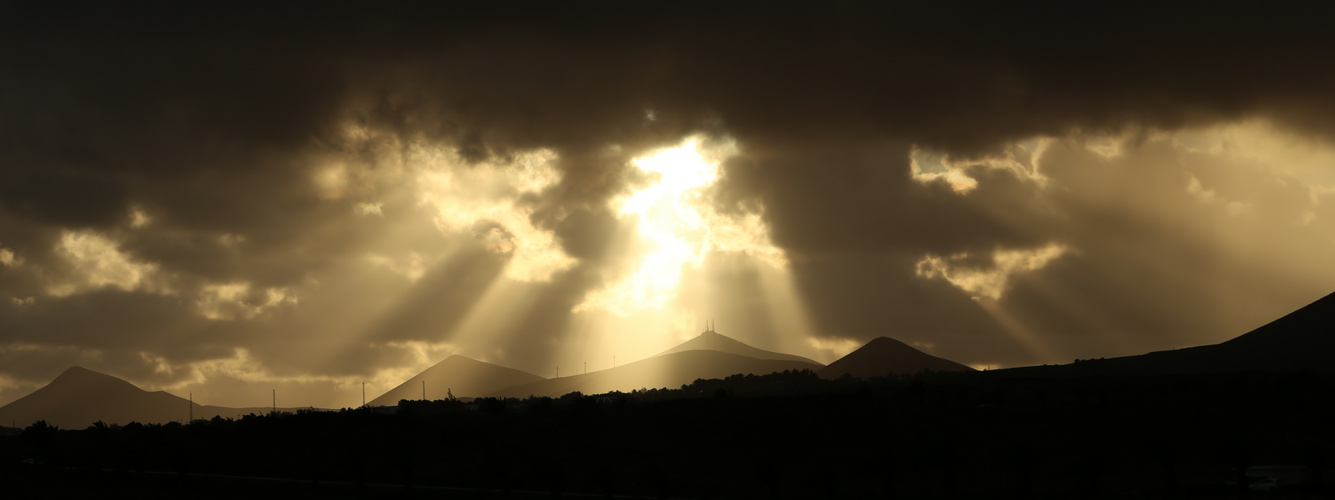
x=989, y=280
x=182, y=183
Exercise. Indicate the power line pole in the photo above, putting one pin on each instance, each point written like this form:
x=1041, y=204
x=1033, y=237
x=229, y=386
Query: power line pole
x=423, y=390
x=363, y=393
x=275, y=401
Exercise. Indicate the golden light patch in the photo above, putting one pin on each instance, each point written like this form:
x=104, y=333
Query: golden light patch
x=928, y=166
x=988, y=282
x=1304, y=157
x=746, y=234
x=8, y=259
x=331, y=181
x=485, y=201
x=96, y=262
x=230, y=240
x=1019, y=157
x=159, y=363
x=1107, y=146
x=413, y=267
x=838, y=347
x=1210, y=197
x=368, y=208
x=228, y=301
x=138, y=218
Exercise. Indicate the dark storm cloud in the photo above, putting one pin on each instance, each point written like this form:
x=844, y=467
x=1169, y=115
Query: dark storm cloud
x=212, y=121
x=144, y=106
x=110, y=330
x=861, y=197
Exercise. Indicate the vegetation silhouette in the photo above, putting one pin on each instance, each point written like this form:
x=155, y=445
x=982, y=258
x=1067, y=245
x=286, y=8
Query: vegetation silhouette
x=791, y=434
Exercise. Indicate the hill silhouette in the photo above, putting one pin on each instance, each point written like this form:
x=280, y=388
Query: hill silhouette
x=79, y=397
x=462, y=376
x=884, y=356
x=708, y=355
x=1300, y=340
x=671, y=370
x=713, y=341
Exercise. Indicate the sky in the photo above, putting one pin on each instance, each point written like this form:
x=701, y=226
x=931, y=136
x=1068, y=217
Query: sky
x=306, y=198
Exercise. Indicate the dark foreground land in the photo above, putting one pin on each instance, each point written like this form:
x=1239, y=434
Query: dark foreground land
x=789, y=435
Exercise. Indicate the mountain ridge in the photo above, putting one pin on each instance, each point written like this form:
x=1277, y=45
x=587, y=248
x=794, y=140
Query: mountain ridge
x=884, y=356
x=1297, y=341
x=458, y=375
x=78, y=397
x=667, y=370
x=710, y=340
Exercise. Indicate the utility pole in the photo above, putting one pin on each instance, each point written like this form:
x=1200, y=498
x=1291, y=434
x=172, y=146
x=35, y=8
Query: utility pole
x=423, y=390
x=363, y=394
x=275, y=401
x=586, y=367
x=192, y=408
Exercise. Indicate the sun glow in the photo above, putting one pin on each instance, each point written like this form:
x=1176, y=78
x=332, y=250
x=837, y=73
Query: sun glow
x=674, y=226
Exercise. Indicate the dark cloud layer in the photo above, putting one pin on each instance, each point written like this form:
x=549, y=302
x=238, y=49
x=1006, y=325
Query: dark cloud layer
x=211, y=122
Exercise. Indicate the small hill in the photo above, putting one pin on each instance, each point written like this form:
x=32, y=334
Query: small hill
x=79, y=397
x=668, y=370
x=884, y=356
x=465, y=377
x=1300, y=340
x=713, y=341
